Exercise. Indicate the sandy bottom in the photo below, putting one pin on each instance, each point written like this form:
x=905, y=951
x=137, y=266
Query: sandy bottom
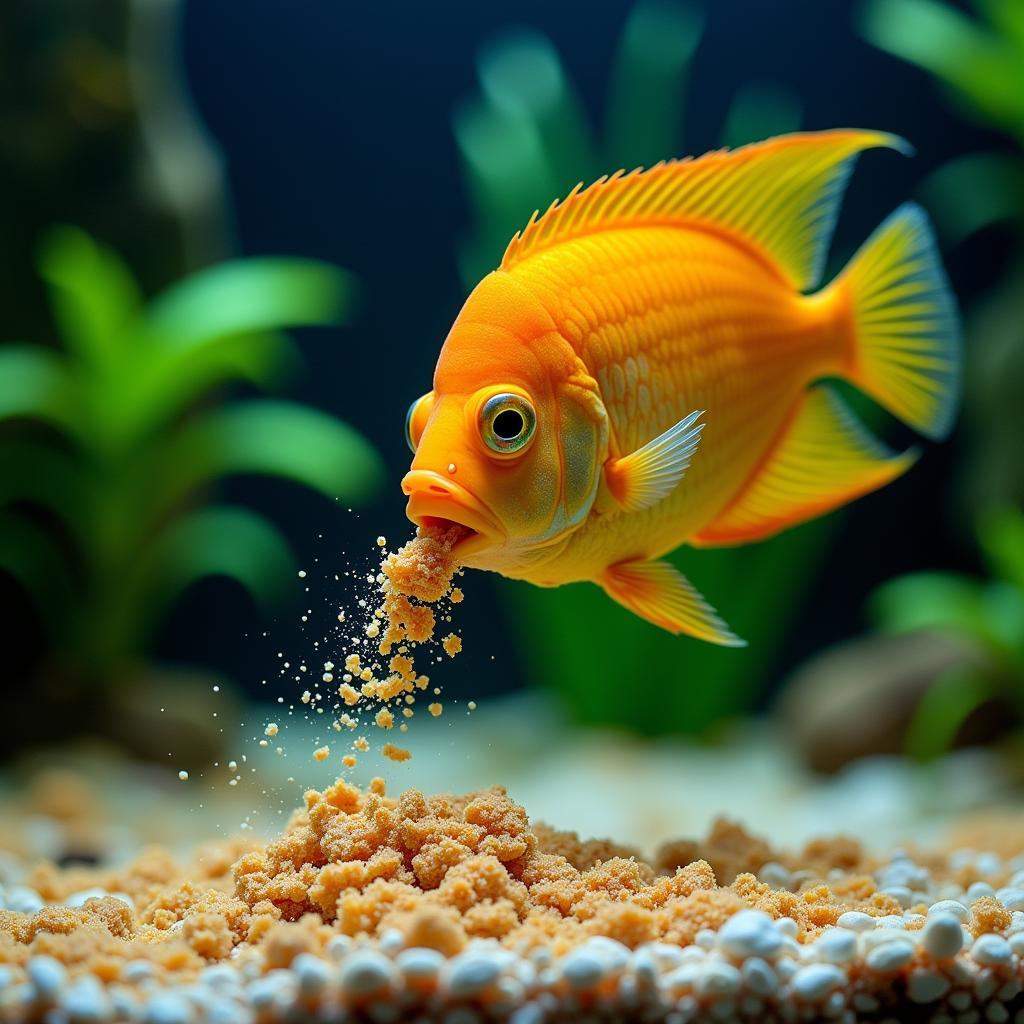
x=379, y=907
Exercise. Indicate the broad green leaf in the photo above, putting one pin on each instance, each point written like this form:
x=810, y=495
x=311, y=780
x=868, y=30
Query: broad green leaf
x=223, y=540
x=276, y=439
x=93, y=293
x=1001, y=537
x=974, y=192
x=30, y=554
x=170, y=380
x=249, y=296
x=39, y=473
x=35, y=384
x=946, y=601
x=645, y=101
x=943, y=709
x=521, y=75
x=760, y=110
x=984, y=68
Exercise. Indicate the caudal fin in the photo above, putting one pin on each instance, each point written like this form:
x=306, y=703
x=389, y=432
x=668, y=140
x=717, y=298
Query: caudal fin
x=906, y=327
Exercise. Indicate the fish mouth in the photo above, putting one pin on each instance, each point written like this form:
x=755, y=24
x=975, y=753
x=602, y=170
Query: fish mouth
x=435, y=501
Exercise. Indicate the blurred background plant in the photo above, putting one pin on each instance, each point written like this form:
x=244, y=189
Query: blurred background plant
x=118, y=427
x=120, y=439
x=525, y=140
x=947, y=667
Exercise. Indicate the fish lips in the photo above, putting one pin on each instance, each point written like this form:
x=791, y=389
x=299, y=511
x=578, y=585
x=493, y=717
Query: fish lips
x=435, y=500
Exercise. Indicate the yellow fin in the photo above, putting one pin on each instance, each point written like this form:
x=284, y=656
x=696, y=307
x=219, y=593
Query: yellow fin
x=779, y=197
x=906, y=331
x=642, y=478
x=659, y=593
x=823, y=459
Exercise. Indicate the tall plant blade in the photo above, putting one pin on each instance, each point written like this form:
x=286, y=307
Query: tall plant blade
x=647, y=94
x=247, y=297
x=1001, y=537
x=222, y=540
x=276, y=439
x=944, y=709
x=35, y=384
x=986, y=70
x=93, y=294
x=38, y=473
x=32, y=557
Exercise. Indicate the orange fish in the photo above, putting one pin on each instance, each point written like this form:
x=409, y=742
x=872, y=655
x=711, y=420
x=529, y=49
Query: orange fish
x=648, y=368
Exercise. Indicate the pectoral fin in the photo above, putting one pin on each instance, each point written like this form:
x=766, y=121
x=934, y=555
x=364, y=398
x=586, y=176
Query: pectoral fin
x=641, y=479
x=659, y=593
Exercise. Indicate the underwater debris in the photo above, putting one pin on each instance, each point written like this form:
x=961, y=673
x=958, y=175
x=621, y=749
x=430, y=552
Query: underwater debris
x=400, y=908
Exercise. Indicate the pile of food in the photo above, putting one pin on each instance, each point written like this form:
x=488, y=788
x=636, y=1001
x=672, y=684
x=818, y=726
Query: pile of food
x=459, y=908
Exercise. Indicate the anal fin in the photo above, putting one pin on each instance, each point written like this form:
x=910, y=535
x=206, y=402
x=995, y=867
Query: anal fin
x=824, y=458
x=659, y=593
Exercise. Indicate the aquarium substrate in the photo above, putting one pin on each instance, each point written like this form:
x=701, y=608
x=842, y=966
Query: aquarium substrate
x=379, y=908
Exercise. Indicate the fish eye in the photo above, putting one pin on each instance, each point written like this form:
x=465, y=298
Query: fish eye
x=507, y=423
x=416, y=420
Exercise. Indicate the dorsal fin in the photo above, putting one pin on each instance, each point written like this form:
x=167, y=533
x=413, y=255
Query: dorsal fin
x=780, y=197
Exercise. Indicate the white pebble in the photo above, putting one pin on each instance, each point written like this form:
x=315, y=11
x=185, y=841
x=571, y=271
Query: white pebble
x=775, y=875
x=168, y=1008
x=890, y=956
x=942, y=936
x=988, y=864
x=312, y=974
x=48, y=976
x=926, y=986
x=750, y=933
x=365, y=971
x=420, y=963
x=996, y=1013
x=706, y=938
x=836, y=946
x=338, y=948
x=582, y=969
x=1012, y=899
x=901, y=894
x=950, y=907
x=759, y=977
x=137, y=970
x=991, y=951
x=1017, y=943
x=815, y=981
x=903, y=871
x=85, y=1002
x=787, y=926
x=471, y=973
x=718, y=979
x=977, y=890
x=23, y=900
x=613, y=953
x=856, y=921
x=391, y=941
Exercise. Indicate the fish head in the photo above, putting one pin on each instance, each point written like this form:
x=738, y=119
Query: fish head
x=510, y=441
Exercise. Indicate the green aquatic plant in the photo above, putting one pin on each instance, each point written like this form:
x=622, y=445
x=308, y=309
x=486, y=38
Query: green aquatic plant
x=987, y=614
x=979, y=61
x=523, y=141
x=110, y=449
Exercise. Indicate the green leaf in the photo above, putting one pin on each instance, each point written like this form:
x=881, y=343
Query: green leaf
x=975, y=191
x=944, y=708
x=250, y=296
x=760, y=110
x=93, y=293
x=30, y=554
x=645, y=102
x=277, y=439
x=223, y=540
x=929, y=600
x=1001, y=538
x=42, y=474
x=984, y=68
x=170, y=380
x=35, y=384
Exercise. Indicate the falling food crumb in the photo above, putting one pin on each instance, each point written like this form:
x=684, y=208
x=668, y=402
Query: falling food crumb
x=384, y=718
x=471, y=705
x=306, y=696
x=381, y=541
x=362, y=744
x=183, y=775
x=321, y=753
x=435, y=709
x=452, y=644
x=456, y=596
x=350, y=760
x=271, y=729
x=302, y=574
x=389, y=750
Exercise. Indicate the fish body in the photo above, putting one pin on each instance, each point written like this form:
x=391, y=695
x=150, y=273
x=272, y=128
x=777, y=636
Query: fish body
x=656, y=337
